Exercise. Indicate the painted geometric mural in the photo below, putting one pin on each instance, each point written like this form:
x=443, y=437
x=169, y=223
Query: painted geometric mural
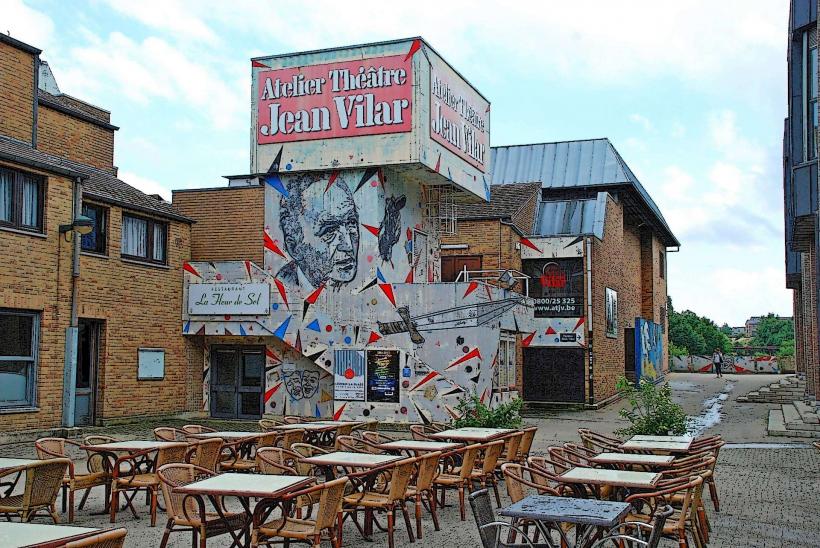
x=347, y=284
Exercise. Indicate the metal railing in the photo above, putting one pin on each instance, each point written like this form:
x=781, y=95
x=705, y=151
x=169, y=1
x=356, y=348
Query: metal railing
x=508, y=278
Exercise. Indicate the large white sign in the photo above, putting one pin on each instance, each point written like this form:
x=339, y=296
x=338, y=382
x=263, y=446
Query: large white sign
x=235, y=299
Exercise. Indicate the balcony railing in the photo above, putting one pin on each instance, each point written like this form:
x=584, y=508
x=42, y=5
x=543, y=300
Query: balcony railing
x=508, y=278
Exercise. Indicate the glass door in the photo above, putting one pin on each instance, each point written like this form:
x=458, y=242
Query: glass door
x=88, y=353
x=237, y=382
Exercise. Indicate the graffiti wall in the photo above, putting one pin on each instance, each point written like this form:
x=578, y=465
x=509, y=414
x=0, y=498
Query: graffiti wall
x=648, y=349
x=347, y=312
x=731, y=364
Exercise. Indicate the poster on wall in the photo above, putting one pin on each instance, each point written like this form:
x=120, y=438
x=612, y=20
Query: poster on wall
x=383, y=376
x=648, y=349
x=557, y=286
x=348, y=375
x=611, y=299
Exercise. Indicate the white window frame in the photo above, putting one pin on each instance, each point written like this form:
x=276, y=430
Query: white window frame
x=31, y=374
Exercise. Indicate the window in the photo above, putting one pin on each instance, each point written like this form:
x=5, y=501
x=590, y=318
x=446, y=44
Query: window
x=144, y=239
x=19, y=333
x=21, y=200
x=95, y=241
x=810, y=114
x=662, y=263
x=504, y=374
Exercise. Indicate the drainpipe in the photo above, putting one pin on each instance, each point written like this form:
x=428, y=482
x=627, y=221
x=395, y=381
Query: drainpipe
x=72, y=331
x=589, y=319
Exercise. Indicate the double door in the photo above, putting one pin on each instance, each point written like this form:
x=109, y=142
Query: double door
x=237, y=381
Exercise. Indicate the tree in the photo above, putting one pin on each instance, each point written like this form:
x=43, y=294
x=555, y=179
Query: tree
x=726, y=330
x=697, y=334
x=773, y=331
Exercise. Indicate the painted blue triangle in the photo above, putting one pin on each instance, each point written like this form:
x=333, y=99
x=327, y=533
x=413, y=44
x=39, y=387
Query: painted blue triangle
x=242, y=330
x=187, y=326
x=380, y=276
x=314, y=325
x=317, y=412
x=273, y=180
x=283, y=327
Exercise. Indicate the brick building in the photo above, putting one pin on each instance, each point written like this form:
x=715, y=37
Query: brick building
x=573, y=218
x=57, y=166
x=800, y=186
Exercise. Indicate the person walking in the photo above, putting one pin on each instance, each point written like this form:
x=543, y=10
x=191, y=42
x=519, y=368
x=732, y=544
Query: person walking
x=717, y=361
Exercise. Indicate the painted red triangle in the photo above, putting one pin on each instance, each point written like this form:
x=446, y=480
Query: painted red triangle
x=273, y=246
x=331, y=179
x=281, y=287
x=550, y=331
x=474, y=353
x=338, y=413
x=414, y=47
x=388, y=291
x=470, y=288
x=373, y=337
x=581, y=321
x=258, y=64
x=272, y=391
x=372, y=229
x=438, y=163
x=426, y=378
x=526, y=242
x=528, y=339
x=315, y=295
x=188, y=268
x=409, y=278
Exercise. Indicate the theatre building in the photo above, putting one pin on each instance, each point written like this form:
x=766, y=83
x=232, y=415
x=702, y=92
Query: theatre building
x=60, y=199
x=315, y=283
x=576, y=232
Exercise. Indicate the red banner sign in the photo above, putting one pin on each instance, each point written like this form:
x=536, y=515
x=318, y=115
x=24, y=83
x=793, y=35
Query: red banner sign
x=344, y=99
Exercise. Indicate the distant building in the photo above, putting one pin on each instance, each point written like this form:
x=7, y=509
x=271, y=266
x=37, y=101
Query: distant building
x=739, y=331
x=751, y=324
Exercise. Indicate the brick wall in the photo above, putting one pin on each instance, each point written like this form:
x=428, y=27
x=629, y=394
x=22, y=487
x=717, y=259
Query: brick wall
x=799, y=340
x=229, y=222
x=75, y=139
x=809, y=285
x=16, y=92
x=491, y=239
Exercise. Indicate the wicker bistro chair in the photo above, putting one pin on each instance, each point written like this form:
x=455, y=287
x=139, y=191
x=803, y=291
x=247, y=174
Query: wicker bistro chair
x=365, y=427
x=205, y=453
x=167, y=433
x=188, y=512
x=525, y=446
x=683, y=521
x=267, y=425
x=293, y=419
x=196, y=429
x=599, y=442
x=421, y=488
x=457, y=477
x=358, y=445
x=238, y=455
x=547, y=476
x=484, y=471
x=490, y=529
x=703, y=467
x=50, y=448
x=113, y=538
x=44, y=478
x=510, y=453
x=138, y=471
x=645, y=535
x=518, y=487
x=375, y=438
x=328, y=517
x=388, y=502
x=421, y=432
x=712, y=447
x=277, y=461
x=291, y=437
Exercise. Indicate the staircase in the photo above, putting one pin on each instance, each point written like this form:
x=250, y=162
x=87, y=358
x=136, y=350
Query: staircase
x=787, y=390
x=795, y=419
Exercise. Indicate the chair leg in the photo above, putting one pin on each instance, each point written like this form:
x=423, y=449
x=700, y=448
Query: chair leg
x=461, y=508
x=70, y=506
x=203, y=539
x=85, y=497
x=153, y=493
x=682, y=541
x=494, y=483
x=434, y=512
x=391, y=515
x=115, y=503
x=65, y=496
x=714, y=495
x=409, y=527
x=340, y=519
x=166, y=534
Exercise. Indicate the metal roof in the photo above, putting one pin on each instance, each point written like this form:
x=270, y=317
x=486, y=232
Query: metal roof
x=587, y=164
x=572, y=217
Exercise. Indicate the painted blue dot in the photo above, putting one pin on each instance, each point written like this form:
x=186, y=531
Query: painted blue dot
x=288, y=167
x=275, y=306
x=330, y=342
x=348, y=340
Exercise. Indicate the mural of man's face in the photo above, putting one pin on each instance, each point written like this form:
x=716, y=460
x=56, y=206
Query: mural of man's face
x=330, y=231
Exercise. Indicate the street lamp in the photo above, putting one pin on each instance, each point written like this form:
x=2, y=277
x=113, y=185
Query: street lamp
x=81, y=224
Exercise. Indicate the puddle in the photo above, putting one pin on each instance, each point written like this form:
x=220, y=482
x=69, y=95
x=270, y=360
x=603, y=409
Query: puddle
x=711, y=414
x=767, y=446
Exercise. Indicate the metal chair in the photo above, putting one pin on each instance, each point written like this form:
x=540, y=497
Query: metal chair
x=489, y=528
x=645, y=535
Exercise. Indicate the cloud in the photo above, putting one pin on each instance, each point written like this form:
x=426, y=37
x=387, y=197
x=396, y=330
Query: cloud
x=148, y=186
x=171, y=16
x=642, y=121
x=26, y=24
x=732, y=294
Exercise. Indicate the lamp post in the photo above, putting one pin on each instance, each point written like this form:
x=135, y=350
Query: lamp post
x=80, y=225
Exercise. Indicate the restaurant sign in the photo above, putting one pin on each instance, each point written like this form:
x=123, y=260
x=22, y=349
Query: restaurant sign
x=459, y=116
x=341, y=99
x=556, y=286
x=228, y=299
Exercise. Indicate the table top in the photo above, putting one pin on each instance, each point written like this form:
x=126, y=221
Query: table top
x=472, y=434
x=601, y=513
x=346, y=458
x=245, y=485
x=227, y=435
x=14, y=535
x=418, y=445
x=307, y=426
x=649, y=445
x=642, y=437
x=133, y=445
x=617, y=478
x=633, y=458
x=5, y=463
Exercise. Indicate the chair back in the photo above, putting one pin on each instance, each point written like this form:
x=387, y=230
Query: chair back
x=420, y=432
x=290, y=437
x=171, y=453
x=49, y=448
x=526, y=443
x=206, y=453
x=345, y=429
x=113, y=538
x=291, y=419
x=330, y=502
x=44, y=479
x=684, y=488
x=518, y=485
x=363, y=427
x=277, y=461
x=511, y=444
x=469, y=455
x=349, y=443
x=427, y=470
x=305, y=450
x=166, y=433
x=177, y=505
x=600, y=442
x=96, y=460
x=267, y=425
x=376, y=438
x=268, y=439
x=196, y=429
x=566, y=458
x=492, y=452
x=400, y=475
x=657, y=530
x=546, y=472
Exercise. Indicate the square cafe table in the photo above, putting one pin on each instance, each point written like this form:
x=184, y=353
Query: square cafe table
x=227, y=435
x=643, y=437
x=418, y=446
x=308, y=426
x=659, y=446
x=472, y=434
x=580, y=476
x=633, y=459
x=129, y=446
x=591, y=517
x=16, y=535
x=243, y=487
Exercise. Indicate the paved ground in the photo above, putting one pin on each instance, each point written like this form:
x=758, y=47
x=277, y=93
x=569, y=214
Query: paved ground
x=769, y=487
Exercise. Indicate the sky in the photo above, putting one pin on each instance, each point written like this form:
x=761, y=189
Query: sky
x=691, y=93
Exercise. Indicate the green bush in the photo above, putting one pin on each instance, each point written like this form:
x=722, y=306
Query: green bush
x=652, y=410
x=475, y=414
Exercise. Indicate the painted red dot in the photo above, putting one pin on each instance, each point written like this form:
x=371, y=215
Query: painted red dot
x=227, y=316
x=328, y=328
x=219, y=276
x=348, y=373
x=370, y=258
x=403, y=410
x=374, y=183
